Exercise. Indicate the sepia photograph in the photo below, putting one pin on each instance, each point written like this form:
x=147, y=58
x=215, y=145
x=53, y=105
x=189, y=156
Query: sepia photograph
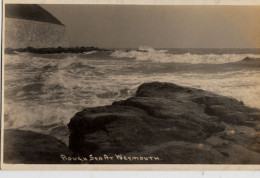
x=130, y=84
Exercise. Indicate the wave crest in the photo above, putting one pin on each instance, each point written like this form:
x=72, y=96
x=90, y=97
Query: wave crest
x=163, y=56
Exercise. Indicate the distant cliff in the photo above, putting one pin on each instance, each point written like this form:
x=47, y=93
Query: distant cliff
x=31, y=25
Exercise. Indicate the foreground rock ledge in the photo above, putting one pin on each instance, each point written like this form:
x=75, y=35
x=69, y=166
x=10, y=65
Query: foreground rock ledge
x=27, y=147
x=177, y=124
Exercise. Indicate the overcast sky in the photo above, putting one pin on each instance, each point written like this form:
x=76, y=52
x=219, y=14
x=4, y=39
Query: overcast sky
x=130, y=26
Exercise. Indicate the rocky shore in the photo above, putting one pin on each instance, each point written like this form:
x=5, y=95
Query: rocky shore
x=162, y=124
x=177, y=124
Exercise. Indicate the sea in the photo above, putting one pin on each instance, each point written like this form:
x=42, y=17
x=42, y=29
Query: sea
x=42, y=92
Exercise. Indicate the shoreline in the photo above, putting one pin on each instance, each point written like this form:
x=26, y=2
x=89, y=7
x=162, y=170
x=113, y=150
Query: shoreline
x=180, y=125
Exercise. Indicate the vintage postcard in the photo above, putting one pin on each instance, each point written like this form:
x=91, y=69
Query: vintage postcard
x=124, y=86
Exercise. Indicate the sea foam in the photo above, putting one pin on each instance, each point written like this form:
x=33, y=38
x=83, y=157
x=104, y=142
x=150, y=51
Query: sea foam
x=163, y=56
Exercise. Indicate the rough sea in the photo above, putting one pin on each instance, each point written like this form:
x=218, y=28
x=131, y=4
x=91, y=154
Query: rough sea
x=43, y=91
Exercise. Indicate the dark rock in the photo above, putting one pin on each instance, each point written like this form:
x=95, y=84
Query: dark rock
x=28, y=147
x=177, y=124
x=53, y=50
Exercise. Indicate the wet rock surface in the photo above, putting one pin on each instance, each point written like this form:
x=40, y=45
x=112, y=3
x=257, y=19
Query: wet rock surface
x=177, y=124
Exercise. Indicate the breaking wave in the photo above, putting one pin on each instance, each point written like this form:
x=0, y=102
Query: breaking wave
x=163, y=56
x=42, y=94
